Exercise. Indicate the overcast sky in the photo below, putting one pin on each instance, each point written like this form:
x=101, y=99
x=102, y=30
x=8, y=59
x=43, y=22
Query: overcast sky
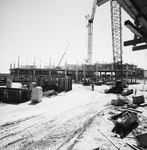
x=42, y=29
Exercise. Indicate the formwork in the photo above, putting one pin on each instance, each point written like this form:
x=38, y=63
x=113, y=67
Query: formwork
x=56, y=83
x=14, y=95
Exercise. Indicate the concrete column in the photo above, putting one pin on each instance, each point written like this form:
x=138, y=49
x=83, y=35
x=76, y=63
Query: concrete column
x=34, y=72
x=84, y=71
x=97, y=80
x=135, y=73
x=100, y=75
x=77, y=74
x=111, y=72
x=105, y=75
x=127, y=72
x=65, y=69
x=18, y=72
x=131, y=73
x=49, y=72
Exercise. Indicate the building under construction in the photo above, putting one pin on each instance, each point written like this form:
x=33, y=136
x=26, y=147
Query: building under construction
x=103, y=72
x=117, y=70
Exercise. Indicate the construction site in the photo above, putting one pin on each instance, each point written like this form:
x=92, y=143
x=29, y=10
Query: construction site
x=87, y=106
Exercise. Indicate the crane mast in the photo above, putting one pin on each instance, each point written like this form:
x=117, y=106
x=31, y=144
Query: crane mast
x=116, y=38
x=116, y=35
x=90, y=32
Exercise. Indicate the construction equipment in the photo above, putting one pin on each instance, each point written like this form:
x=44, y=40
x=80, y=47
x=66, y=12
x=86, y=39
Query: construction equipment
x=116, y=88
x=63, y=55
x=116, y=47
x=116, y=35
x=89, y=26
x=116, y=39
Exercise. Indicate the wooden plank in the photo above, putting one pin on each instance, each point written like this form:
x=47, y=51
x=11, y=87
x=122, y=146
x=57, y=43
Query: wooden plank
x=134, y=42
x=109, y=139
x=133, y=147
x=138, y=147
x=143, y=104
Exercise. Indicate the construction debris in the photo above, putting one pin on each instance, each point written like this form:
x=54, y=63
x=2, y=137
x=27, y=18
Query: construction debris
x=109, y=139
x=143, y=104
x=125, y=125
x=49, y=93
x=134, y=147
x=127, y=119
x=142, y=139
x=127, y=92
x=118, y=102
x=116, y=89
x=138, y=99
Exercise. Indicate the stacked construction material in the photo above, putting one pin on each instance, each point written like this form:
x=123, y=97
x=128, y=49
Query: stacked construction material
x=14, y=95
x=138, y=99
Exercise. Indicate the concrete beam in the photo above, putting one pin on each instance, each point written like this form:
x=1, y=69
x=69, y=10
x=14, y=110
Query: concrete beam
x=133, y=28
x=142, y=47
x=135, y=42
x=101, y=2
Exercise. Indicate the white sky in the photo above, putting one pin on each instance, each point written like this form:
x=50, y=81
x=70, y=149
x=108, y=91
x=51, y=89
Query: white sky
x=42, y=29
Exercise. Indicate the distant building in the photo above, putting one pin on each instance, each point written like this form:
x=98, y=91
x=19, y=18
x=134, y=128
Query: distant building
x=96, y=72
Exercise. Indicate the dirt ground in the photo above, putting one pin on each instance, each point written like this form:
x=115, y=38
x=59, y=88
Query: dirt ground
x=67, y=121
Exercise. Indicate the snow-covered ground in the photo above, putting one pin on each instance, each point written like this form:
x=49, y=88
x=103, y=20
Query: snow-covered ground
x=68, y=121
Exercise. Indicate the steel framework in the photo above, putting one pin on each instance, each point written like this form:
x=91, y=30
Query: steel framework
x=116, y=38
x=90, y=32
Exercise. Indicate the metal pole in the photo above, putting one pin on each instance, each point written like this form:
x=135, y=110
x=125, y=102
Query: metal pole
x=109, y=139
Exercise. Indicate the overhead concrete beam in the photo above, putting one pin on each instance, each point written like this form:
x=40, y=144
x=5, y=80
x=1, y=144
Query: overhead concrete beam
x=126, y=8
x=135, y=42
x=101, y=2
x=133, y=28
x=142, y=47
x=142, y=20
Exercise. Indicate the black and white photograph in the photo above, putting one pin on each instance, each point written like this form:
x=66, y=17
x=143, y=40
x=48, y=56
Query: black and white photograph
x=73, y=74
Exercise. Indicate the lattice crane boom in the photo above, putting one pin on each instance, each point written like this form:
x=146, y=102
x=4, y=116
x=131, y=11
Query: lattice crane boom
x=90, y=32
x=116, y=38
x=116, y=35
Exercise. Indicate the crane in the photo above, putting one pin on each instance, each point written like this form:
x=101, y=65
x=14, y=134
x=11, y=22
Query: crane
x=116, y=35
x=89, y=26
x=116, y=38
x=63, y=55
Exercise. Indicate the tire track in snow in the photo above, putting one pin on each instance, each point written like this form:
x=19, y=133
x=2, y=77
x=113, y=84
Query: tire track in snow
x=75, y=137
x=54, y=133
x=65, y=134
x=29, y=137
x=11, y=126
x=62, y=124
x=14, y=135
x=17, y=134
